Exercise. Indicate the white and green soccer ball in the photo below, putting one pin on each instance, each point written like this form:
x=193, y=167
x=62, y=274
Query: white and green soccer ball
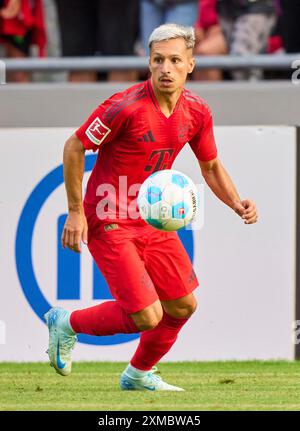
x=168, y=200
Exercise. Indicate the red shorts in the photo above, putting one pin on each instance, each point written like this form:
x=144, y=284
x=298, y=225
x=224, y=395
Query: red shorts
x=143, y=266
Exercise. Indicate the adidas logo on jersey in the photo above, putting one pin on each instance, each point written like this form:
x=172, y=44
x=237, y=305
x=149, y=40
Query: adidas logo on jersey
x=148, y=137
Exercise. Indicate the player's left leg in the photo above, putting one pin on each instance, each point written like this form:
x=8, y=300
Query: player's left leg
x=174, y=278
x=154, y=344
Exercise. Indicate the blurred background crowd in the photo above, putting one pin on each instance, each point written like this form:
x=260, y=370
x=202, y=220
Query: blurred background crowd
x=78, y=28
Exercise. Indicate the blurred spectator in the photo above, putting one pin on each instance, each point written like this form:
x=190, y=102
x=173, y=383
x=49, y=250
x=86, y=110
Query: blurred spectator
x=98, y=27
x=275, y=42
x=275, y=46
x=156, y=12
x=210, y=39
x=53, y=48
x=21, y=25
x=246, y=25
x=290, y=25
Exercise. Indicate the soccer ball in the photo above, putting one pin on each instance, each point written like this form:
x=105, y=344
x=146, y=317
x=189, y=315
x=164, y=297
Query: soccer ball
x=168, y=200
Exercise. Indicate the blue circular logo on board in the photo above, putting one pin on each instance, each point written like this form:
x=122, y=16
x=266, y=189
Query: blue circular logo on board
x=23, y=252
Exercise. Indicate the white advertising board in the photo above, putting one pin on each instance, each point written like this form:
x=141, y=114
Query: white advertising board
x=246, y=298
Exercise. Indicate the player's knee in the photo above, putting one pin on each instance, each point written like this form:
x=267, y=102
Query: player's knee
x=190, y=309
x=148, y=324
x=148, y=318
x=185, y=311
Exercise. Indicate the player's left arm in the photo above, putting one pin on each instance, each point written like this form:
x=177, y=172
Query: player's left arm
x=222, y=186
x=204, y=146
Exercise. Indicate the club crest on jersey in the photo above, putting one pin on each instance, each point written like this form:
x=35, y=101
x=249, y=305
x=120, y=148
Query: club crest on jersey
x=97, y=131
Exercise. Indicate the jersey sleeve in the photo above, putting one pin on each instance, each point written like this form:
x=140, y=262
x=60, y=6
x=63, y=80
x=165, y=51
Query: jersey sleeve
x=203, y=143
x=103, y=126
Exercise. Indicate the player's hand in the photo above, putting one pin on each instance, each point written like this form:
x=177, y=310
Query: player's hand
x=247, y=210
x=75, y=230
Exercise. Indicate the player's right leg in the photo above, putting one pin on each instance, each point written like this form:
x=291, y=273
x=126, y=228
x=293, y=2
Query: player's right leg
x=61, y=340
x=121, y=264
x=130, y=285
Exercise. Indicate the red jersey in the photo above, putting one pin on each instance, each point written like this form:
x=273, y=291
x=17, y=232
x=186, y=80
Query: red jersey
x=134, y=139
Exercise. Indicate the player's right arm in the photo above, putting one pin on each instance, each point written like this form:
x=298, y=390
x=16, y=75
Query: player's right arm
x=75, y=228
x=102, y=127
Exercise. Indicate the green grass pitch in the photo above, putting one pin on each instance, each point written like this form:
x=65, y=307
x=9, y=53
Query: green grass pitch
x=253, y=385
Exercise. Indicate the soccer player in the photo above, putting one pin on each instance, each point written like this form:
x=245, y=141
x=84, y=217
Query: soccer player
x=137, y=132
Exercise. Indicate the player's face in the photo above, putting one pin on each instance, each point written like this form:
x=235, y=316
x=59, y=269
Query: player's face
x=170, y=62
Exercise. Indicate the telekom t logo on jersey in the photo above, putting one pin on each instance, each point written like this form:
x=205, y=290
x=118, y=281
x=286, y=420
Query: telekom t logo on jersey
x=97, y=131
x=159, y=159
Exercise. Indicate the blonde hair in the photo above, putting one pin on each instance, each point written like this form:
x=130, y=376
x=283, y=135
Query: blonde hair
x=173, y=31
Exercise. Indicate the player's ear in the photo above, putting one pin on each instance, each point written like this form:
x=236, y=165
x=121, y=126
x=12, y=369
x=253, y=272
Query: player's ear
x=192, y=63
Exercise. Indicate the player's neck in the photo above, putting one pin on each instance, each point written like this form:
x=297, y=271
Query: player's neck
x=167, y=102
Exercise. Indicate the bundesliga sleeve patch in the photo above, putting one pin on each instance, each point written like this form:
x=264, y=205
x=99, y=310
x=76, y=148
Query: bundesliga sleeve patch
x=97, y=131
